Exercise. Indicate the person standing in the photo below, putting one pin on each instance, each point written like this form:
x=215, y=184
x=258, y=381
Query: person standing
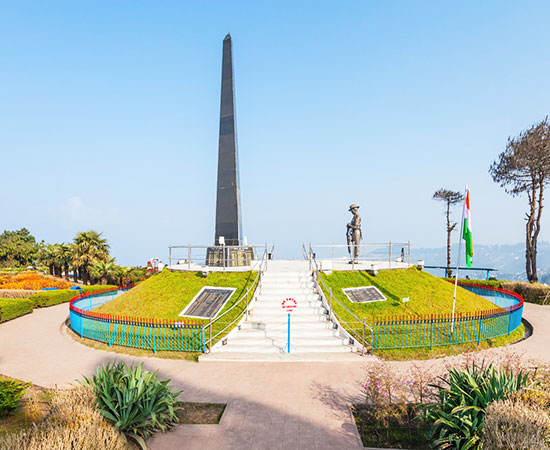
x=354, y=233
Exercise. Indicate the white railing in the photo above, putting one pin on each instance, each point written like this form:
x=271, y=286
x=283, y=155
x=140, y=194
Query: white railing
x=387, y=252
x=195, y=257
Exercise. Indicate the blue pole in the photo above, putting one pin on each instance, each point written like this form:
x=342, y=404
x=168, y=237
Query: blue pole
x=288, y=348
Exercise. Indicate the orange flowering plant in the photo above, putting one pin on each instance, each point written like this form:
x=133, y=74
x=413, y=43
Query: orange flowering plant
x=31, y=281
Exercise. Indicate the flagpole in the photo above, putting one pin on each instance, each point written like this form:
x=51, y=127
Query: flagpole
x=458, y=258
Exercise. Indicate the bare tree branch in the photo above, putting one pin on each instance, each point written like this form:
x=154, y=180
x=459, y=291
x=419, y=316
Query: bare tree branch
x=524, y=166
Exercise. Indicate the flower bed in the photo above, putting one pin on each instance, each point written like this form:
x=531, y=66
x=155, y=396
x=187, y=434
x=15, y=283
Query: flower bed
x=30, y=281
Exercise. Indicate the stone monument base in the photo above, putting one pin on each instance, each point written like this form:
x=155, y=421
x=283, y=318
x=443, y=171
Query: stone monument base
x=229, y=256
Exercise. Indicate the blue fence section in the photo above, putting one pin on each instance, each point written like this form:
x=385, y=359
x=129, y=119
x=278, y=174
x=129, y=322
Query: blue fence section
x=434, y=330
x=152, y=334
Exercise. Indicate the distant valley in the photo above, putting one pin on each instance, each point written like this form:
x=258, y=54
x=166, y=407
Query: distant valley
x=509, y=260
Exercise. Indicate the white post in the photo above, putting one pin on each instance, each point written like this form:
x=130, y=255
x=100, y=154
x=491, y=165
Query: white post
x=458, y=260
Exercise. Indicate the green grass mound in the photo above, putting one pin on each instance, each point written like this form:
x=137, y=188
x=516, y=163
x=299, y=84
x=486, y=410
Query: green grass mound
x=164, y=296
x=428, y=294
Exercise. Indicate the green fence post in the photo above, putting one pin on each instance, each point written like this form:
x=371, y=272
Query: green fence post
x=363, y=348
x=109, y=325
x=509, y=322
x=154, y=343
x=479, y=332
x=432, y=333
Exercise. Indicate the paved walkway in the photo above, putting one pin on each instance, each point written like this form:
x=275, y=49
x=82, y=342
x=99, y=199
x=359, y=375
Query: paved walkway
x=270, y=405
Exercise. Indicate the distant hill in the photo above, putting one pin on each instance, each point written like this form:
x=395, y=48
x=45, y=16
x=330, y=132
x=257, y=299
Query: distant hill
x=509, y=260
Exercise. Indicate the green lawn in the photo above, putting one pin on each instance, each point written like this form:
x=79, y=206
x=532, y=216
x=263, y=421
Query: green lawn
x=428, y=294
x=164, y=296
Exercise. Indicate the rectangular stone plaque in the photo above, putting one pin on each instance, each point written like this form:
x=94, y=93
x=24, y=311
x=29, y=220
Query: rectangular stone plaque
x=364, y=294
x=208, y=302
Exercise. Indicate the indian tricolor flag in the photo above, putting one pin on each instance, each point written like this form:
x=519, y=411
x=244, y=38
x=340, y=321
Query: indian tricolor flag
x=467, y=230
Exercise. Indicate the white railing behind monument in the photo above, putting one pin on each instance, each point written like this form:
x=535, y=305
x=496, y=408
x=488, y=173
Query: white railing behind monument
x=387, y=252
x=195, y=257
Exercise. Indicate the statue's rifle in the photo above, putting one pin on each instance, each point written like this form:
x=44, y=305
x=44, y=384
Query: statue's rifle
x=348, y=237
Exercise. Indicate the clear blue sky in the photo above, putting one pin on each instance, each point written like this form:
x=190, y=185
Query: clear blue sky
x=109, y=117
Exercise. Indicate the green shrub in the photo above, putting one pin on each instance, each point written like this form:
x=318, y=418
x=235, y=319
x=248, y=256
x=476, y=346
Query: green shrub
x=11, y=392
x=134, y=400
x=493, y=283
x=531, y=292
x=51, y=298
x=515, y=424
x=10, y=308
x=457, y=417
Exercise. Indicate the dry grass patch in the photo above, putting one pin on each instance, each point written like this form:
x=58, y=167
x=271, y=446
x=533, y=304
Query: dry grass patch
x=74, y=423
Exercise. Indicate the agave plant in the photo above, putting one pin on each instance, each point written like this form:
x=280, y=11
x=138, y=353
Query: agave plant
x=457, y=417
x=134, y=400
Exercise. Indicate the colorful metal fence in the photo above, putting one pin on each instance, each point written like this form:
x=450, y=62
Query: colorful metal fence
x=434, y=330
x=152, y=334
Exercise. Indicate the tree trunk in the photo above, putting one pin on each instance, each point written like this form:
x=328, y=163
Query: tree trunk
x=75, y=274
x=530, y=237
x=535, y=234
x=66, y=269
x=448, y=239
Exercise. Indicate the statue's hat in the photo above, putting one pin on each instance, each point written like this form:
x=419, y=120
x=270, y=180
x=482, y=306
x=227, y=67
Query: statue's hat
x=353, y=205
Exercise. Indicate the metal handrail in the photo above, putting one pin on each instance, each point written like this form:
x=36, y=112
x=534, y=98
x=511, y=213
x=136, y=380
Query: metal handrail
x=372, y=244
x=350, y=330
x=258, y=279
x=189, y=257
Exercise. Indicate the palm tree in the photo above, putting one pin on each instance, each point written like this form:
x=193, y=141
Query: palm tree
x=124, y=275
x=47, y=257
x=89, y=248
x=58, y=256
x=103, y=270
x=66, y=257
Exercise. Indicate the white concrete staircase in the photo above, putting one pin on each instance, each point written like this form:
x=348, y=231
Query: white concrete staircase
x=263, y=337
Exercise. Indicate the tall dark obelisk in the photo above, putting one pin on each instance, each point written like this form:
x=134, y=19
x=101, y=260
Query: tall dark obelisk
x=228, y=199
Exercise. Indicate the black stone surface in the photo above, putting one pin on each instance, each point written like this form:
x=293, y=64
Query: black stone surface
x=209, y=302
x=364, y=294
x=229, y=256
x=228, y=198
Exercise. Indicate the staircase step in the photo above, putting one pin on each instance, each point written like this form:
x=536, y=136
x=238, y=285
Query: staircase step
x=264, y=334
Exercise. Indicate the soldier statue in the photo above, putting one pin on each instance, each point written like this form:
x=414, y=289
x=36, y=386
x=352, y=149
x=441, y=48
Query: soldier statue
x=354, y=234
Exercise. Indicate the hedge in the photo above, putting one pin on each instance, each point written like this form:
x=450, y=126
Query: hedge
x=10, y=308
x=51, y=298
x=531, y=292
x=493, y=283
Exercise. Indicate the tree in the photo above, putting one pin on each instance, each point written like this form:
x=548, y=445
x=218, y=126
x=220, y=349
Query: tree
x=47, y=257
x=450, y=198
x=103, y=271
x=89, y=248
x=524, y=166
x=18, y=248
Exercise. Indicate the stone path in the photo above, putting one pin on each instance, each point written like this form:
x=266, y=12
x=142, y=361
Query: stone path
x=270, y=405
